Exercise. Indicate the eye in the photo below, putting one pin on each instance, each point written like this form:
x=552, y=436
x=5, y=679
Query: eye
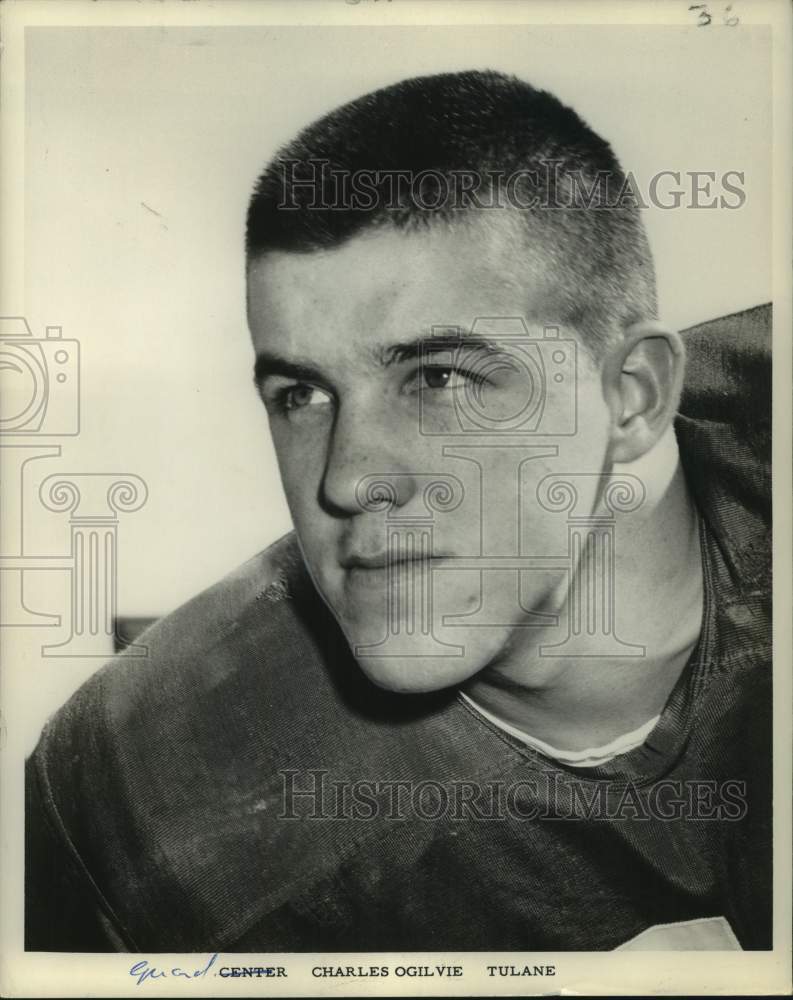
x=439, y=377
x=301, y=395
x=286, y=397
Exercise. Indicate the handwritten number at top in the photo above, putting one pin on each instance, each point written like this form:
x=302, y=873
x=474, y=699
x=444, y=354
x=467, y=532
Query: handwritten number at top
x=704, y=16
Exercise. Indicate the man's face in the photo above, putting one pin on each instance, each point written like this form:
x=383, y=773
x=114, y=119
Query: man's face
x=417, y=404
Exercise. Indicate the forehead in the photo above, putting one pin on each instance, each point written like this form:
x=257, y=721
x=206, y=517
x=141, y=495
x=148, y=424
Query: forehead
x=386, y=284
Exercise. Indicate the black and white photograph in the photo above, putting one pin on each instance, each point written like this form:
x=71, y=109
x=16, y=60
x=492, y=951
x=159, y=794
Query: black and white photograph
x=395, y=444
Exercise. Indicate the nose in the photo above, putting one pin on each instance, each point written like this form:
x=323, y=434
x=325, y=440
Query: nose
x=366, y=466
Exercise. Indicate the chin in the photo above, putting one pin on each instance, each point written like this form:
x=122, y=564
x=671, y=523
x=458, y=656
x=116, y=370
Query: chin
x=417, y=674
x=399, y=655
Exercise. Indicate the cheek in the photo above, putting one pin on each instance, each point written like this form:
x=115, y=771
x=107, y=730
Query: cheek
x=585, y=449
x=593, y=414
x=301, y=460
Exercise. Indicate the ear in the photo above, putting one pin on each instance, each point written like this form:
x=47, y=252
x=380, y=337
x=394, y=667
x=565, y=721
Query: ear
x=642, y=379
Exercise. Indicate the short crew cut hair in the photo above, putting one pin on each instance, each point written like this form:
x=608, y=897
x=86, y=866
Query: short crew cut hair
x=435, y=148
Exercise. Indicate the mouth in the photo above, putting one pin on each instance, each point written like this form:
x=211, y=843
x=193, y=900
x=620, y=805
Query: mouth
x=384, y=560
x=404, y=583
x=387, y=569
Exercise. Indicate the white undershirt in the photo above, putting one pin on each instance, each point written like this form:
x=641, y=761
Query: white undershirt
x=593, y=757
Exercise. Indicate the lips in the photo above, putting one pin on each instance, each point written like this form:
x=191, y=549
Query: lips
x=381, y=560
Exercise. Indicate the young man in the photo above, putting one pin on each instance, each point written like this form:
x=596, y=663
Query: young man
x=508, y=684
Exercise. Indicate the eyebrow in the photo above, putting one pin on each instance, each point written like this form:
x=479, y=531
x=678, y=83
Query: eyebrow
x=267, y=363
x=451, y=339
x=272, y=364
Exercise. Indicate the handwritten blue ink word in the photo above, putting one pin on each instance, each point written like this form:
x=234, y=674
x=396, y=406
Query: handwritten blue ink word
x=143, y=971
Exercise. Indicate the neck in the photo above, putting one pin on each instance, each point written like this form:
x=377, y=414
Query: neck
x=578, y=701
